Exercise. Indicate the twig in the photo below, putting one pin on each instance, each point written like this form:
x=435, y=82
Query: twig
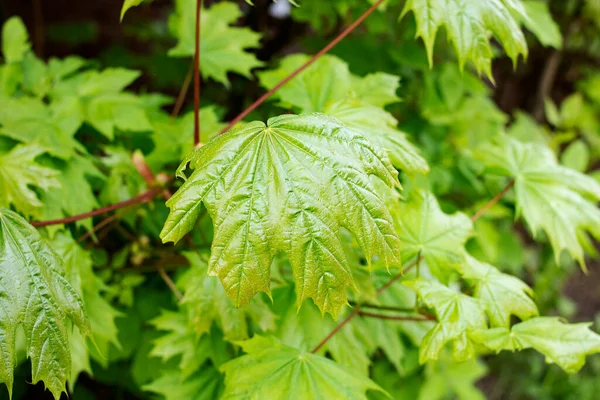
x=314, y=58
x=197, y=76
x=39, y=31
x=103, y=223
x=165, y=277
x=384, y=308
x=140, y=199
x=492, y=202
x=357, y=310
x=547, y=82
x=182, y=93
x=395, y=317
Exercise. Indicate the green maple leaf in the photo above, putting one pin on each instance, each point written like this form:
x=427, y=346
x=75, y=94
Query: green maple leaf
x=567, y=345
x=542, y=25
x=552, y=198
x=208, y=303
x=328, y=87
x=287, y=186
x=19, y=171
x=15, y=40
x=36, y=295
x=469, y=24
x=501, y=295
x=446, y=377
x=205, y=384
x=182, y=341
x=457, y=315
x=424, y=229
x=103, y=329
x=272, y=370
x=222, y=46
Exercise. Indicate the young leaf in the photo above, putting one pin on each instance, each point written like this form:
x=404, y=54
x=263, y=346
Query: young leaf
x=19, y=171
x=567, y=345
x=457, y=315
x=127, y=4
x=271, y=370
x=287, y=186
x=469, y=24
x=439, y=238
x=35, y=294
x=208, y=303
x=15, y=40
x=558, y=200
x=501, y=295
x=222, y=46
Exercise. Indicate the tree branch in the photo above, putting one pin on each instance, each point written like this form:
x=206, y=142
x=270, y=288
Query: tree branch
x=314, y=58
x=492, y=202
x=197, y=76
x=395, y=317
x=140, y=199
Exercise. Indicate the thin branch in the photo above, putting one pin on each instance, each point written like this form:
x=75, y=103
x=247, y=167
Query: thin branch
x=197, y=76
x=314, y=58
x=357, y=310
x=384, y=308
x=140, y=199
x=103, y=223
x=395, y=317
x=165, y=277
x=182, y=93
x=39, y=34
x=492, y=202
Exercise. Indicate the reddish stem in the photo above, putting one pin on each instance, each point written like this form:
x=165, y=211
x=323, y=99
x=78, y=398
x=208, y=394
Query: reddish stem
x=396, y=317
x=314, y=58
x=492, y=202
x=140, y=199
x=197, y=76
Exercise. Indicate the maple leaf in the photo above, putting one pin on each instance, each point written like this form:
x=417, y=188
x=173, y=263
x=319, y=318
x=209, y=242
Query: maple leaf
x=552, y=198
x=101, y=315
x=127, y=4
x=501, y=295
x=469, y=24
x=208, y=303
x=222, y=46
x=567, y=345
x=36, y=295
x=271, y=370
x=19, y=171
x=287, y=186
x=328, y=87
x=457, y=315
x=424, y=229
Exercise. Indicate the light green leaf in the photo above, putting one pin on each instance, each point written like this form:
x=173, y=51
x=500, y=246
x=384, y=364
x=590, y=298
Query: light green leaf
x=326, y=81
x=469, y=25
x=567, y=345
x=19, y=171
x=457, y=315
x=542, y=25
x=576, y=156
x=35, y=294
x=271, y=370
x=222, y=46
x=208, y=303
x=500, y=295
x=554, y=199
x=288, y=186
x=206, y=384
x=439, y=238
x=129, y=4
x=378, y=89
x=15, y=40
x=446, y=377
